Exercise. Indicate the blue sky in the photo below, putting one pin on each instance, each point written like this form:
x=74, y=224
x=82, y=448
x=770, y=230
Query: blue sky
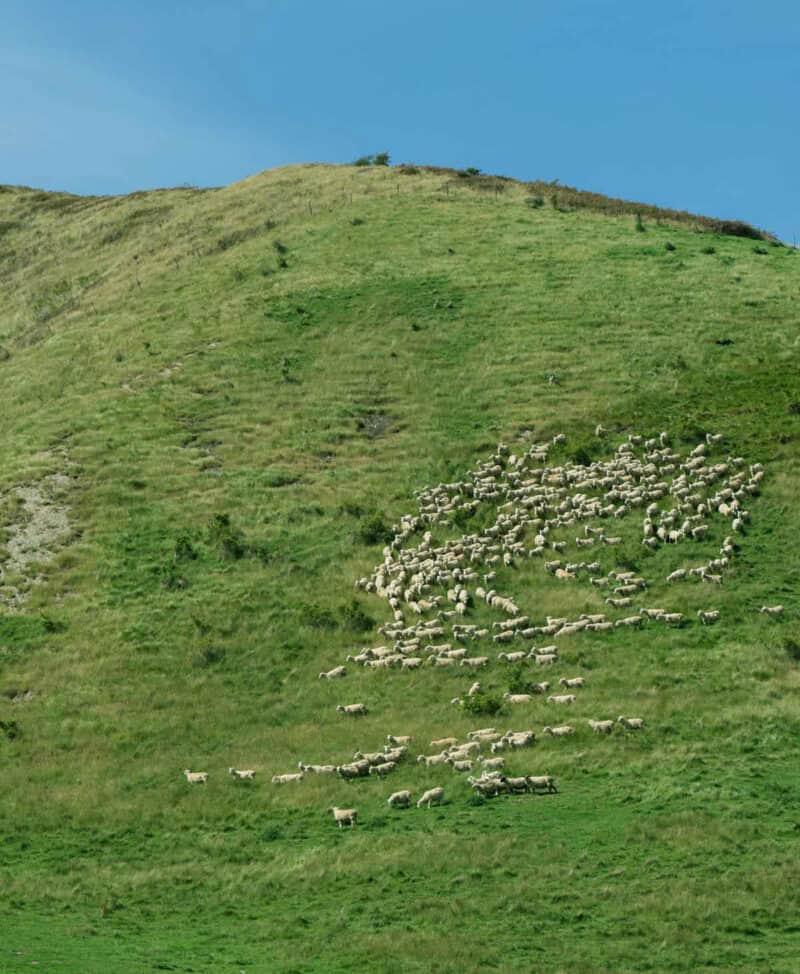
x=691, y=103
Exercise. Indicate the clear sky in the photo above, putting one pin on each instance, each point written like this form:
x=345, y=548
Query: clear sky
x=693, y=104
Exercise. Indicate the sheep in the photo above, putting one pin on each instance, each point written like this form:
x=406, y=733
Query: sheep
x=563, y=731
x=196, y=777
x=399, y=739
x=628, y=621
x=619, y=603
x=576, y=681
x=431, y=760
x=474, y=661
x=285, y=779
x=602, y=726
x=335, y=673
x=517, y=697
x=431, y=796
x=519, y=738
x=444, y=742
x=317, y=768
x=411, y=663
x=480, y=733
x=632, y=723
x=672, y=618
x=545, y=659
x=707, y=615
x=475, y=688
x=513, y=657
x=491, y=763
x=462, y=765
x=488, y=787
x=564, y=698
x=386, y=768
x=395, y=753
x=464, y=750
x=399, y=799
x=542, y=687
x=373, y=757
x=517, y=784
x=653, y=613
x=248, y=775
x=544, y=782
x=356, y=769
x=771, y=610
x=352, y=709
x=344, y=816
x=677, y=575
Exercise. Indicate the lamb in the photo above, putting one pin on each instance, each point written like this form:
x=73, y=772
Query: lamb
x=564, y=698
x=708, y=615
x=431, y=796
x=772, y=610
x=285, y=779
x=544, y=782
x=344, y=816
x=248, y=775
x=430, y=760
x=602, y=726
x=576, y=681
x=632, y=723
x=672, y=618
x=394, y=753
x=563, y=731
x=399, y=799
x=463, y=750
x=352, y=709
x=196, y=777
x=493, y=763
x=317, y=768
x=334, y=674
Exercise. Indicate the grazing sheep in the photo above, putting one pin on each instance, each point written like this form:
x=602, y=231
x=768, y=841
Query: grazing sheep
x=576, y=681
x=196, y=777
x=462, y=765
x=481, y=732
x=517, y=784
x=628, y=621
x=431, y=760
x=563, y=698
x=513, y=657
x=517, y=697
x=344, y=816
x=398, y=739
x=248, y=775
x=356, y=769
x=632, y=723
x=707, y=615
x=285, y=779
x=602, y=726
x=544, y=659
x=542, y=783
x=334, y=674
x=540, y=687
x=352, y=709
x=382, y=769
x=772, y=610
x=563, y=731
x=677, y=575
x=444, y=742
x=317, y=768
x=431, y=796
x=490, y=763
x=400, y=799
x=474, y=661
x=488, y=787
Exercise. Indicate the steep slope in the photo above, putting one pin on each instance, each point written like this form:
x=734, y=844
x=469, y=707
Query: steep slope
x=214, y=404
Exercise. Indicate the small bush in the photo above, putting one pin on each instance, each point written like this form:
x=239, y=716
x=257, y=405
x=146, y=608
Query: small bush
x=381, y=159
x=280, y=247
x=469, y=172
x=10, y=729
x=483, y=704
x=408, y=169
x=534, y=202
x=670, y=246
x=355, y=618
x=210, y=656
x=640, y=227
x=184, y=550
x=319, y=618
x=761, y=251
x=228, y=539
x=792, y=647
x=708, y=250
x=374, y=530
x=364, y=161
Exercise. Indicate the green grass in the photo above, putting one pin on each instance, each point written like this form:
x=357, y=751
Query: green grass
x=237, y=428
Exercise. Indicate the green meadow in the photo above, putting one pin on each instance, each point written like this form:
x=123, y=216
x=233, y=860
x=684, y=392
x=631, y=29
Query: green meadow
x=230, y=394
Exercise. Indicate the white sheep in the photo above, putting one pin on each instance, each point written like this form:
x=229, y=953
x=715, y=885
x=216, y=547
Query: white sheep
x=490, y=763
x=708, y=615
x=481, y=733
x=431, y=796
x=399, y=799
x=602, y=726
x=285, y=779
x=772, y=610
x=563, y=698
x=563, y=731
x=431, y=760
x=444, y=742
x=544, y=782
x=336, y=673
x=317, y=768
x=463, y=765
x=576, y=681
x=474, y=661
x=352, y=709
x=632, y=723
x=196, y=777
x=399, y=739
x=517, y=697
x=248, y=775
x=344, y=816
x=382, y=769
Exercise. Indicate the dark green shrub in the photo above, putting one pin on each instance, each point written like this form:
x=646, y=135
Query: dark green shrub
x=319, y=618
x=381, y=159
x=227, y=538
x=374, y=530
x=534, y=202
x=792, y=647
x=210, y=656
x=762, y=251
x=670, y=246
x=364, y=161
x=10, y=729
x=355, y=618
x=640, y=223
x=708, y=250
x=184, y=549
x=480, y=704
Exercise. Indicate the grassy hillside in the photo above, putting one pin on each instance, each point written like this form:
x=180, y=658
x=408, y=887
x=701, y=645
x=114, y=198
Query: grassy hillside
x=213, y=402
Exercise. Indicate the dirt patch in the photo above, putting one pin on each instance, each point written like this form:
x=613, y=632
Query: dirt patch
x=35, y=524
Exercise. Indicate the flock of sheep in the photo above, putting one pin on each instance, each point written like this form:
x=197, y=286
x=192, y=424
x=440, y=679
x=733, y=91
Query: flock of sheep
x=540, y=510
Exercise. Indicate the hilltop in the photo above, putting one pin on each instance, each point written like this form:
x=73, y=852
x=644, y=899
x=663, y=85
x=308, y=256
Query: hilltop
x=216, y=404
